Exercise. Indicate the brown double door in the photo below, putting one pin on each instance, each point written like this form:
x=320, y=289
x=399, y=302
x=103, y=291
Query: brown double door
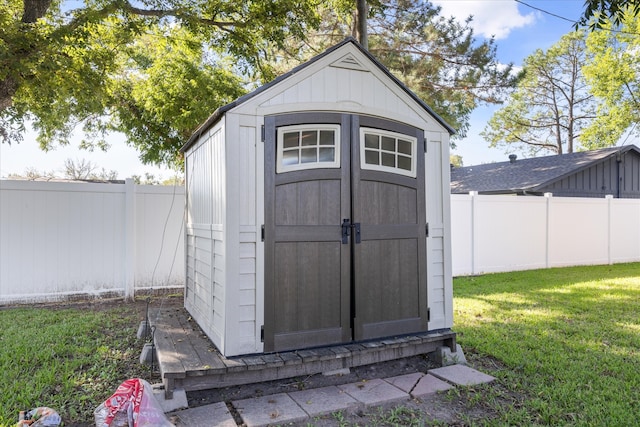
x=345, y=247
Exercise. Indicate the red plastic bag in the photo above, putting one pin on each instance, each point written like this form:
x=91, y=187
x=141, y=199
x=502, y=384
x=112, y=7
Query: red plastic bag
x=132, y=405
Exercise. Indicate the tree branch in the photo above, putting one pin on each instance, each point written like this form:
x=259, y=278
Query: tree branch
x=180, y=14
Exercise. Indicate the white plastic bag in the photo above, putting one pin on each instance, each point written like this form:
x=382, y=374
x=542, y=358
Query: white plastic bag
x=132, y=405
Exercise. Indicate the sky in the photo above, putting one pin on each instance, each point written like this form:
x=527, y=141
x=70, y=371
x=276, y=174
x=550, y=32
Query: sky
x=518, y=30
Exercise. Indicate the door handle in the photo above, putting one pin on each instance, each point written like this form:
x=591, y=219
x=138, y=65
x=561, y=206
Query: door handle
x=346, y=231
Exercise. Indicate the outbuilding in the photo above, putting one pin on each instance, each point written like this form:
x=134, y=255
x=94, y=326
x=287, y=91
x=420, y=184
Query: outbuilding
x=318, y=211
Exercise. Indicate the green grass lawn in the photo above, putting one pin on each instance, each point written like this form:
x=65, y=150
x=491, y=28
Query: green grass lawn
x=69, y=359
x=566, y=340
x=564, y=345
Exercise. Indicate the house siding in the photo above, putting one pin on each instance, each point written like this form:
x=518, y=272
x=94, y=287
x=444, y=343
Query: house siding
x=602, y=178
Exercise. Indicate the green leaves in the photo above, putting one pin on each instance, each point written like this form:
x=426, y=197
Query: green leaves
x=153, y=69
x=598, y=14
x=440, y=60
x=551, y=105
x=174, y=90
x=614, y=78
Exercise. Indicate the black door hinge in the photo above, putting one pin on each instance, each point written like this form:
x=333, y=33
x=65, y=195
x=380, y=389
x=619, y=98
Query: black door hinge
x=427, y=229
x=428, y=314
x=262, y=233
x=262, y=133
x=262, y=333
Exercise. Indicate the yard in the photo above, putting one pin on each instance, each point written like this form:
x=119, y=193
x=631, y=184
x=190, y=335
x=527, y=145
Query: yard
x=564, y=345
x=567, y=339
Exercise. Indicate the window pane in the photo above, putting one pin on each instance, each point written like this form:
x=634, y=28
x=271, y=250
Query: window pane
x=372, y=157
x=308, y=155
x=327, y=137
x=371, y=141
x=404, y=147
x=310, y=137
x=404, y=163
x=290, y=157
x=389, y=160
x=388, y=144
x=327, y=154
x=290, y=139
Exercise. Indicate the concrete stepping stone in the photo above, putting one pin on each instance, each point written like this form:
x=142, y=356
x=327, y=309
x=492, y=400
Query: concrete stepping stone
x=405, y=382
x=429, y=384
x=278, y=409
x=374, y=392
x=324, y=400
x=216, y=414
x=461, y=375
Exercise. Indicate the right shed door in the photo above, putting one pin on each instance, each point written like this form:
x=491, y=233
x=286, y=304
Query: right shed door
x=388, y=201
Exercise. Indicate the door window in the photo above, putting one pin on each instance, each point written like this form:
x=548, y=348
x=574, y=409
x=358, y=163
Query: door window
x=388, y=152
x=308, y=147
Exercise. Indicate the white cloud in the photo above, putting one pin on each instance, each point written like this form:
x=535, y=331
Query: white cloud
x=490, y=17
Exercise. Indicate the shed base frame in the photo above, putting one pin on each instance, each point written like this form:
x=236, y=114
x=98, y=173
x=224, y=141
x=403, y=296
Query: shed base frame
x=188, y=359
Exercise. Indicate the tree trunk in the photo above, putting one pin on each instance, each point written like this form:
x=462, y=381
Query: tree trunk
x=8, y=88
x=361, y=23
x=31, y=12
x=34, y=10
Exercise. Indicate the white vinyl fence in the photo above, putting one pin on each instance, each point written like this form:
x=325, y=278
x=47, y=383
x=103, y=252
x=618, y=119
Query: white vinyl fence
x=60, y=239
x=509, y=233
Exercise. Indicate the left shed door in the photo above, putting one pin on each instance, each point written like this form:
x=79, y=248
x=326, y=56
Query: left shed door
x=304, y=254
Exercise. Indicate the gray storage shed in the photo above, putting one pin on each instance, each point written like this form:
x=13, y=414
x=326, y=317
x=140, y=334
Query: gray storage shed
x=318, y=211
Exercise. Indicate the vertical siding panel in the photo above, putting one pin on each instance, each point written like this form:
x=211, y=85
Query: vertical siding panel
x=318, y=87
x=247, y=177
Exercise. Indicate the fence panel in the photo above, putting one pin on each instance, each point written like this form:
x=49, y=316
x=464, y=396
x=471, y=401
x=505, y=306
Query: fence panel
x=578, y=231
x=62, y=239
x=59, y=239
x=625, y=230
x=509, y=233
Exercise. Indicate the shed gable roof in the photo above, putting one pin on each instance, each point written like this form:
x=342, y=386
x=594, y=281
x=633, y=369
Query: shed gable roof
x=347, y=61
x=528, y=174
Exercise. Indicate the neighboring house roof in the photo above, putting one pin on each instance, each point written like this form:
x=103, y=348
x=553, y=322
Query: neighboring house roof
x=220, y=111
x=528, y=176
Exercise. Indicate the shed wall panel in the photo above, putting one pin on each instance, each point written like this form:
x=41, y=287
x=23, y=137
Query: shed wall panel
x=437, y=195
x=241, y=328
x=247, y=175
x=206, y=201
